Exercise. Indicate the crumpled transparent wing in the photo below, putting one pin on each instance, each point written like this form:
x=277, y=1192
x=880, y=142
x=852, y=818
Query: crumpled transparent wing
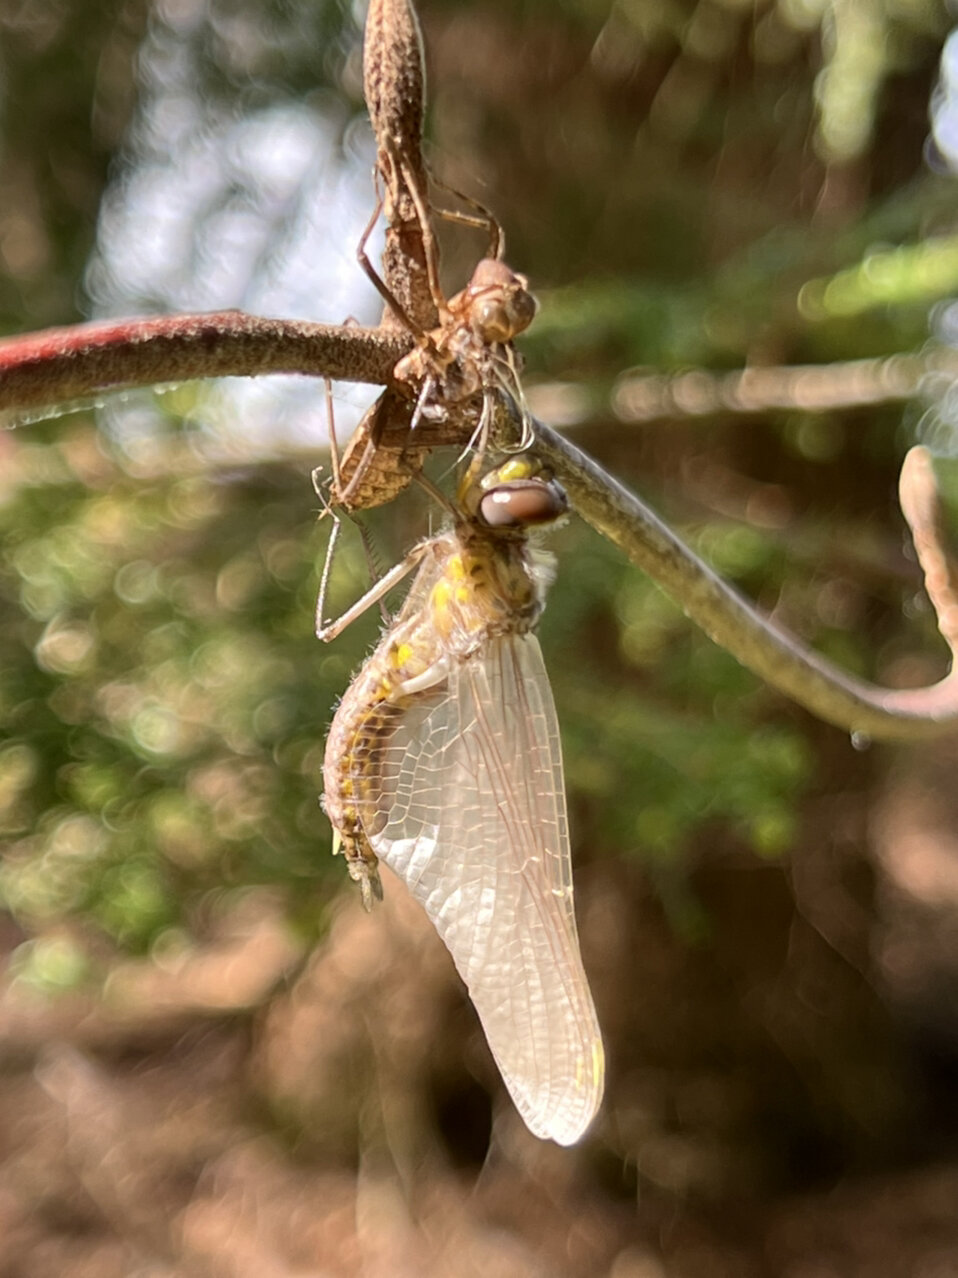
x=471, y=815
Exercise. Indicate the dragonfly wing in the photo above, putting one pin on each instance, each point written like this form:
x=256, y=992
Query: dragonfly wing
x=472, y=817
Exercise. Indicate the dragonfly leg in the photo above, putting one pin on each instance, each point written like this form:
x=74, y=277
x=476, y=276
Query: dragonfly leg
x=483, y=219
x=427, y=389
x=319, y=488
x=436, y=674
x=373, y=561
x=331, y=433
x=429, y=243
x=378, y=590
x=321, y=492
x=327, y=568
x=510, y=383
x=377, y=281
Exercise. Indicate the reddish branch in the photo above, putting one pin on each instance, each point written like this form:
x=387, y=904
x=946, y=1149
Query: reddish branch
x=60, y=364
x=63, y=364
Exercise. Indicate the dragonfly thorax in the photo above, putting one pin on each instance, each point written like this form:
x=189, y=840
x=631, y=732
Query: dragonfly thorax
x=489, y=586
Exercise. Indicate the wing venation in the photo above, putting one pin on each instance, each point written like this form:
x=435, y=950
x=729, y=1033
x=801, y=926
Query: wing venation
x=471, y=815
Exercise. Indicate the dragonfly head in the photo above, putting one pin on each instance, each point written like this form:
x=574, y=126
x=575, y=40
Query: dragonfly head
x=518, y=494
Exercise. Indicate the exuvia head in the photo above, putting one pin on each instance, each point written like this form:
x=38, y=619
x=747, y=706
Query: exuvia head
x=496, y=302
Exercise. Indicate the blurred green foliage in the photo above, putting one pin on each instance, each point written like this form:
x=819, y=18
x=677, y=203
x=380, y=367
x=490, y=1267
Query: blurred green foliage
x=163, y=697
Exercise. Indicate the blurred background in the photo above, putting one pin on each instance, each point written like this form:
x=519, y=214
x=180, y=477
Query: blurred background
x=212, y=1061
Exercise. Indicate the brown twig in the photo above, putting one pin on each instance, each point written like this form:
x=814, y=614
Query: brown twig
x=700, y=392
x=921, y=506
x=61, y=364
x=732, y=622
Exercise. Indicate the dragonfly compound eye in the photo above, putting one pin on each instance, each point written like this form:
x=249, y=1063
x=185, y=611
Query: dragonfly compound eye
x=522, y=504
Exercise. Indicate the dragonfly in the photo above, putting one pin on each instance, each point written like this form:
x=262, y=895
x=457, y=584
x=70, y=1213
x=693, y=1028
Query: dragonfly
x=443, y=761
x=468, y=353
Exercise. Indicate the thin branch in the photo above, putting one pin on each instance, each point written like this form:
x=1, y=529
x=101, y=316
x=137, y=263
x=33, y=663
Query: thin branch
x=62, y=364
x=921, y=506
x=700, y=392
x=733, y=623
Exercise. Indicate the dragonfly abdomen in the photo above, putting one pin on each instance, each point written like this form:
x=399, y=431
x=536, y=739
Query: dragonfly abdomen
x=360, y=731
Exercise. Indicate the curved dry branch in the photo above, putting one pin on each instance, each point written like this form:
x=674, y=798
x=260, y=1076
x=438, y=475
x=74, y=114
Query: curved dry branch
x=700, y=392
x=62, y=364
x=733, y=623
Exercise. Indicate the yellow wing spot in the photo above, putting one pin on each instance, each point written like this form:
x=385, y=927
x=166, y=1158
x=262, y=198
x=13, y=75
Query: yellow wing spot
x=441, y=594
x=598, y=1061
x=591, y=1072
x=455, y=568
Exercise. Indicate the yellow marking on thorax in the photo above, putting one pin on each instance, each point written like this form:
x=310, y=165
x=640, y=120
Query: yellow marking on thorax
x=401, y=654
x=453, y=601
x=464, y=576
x=516, y=468
x=441, y=596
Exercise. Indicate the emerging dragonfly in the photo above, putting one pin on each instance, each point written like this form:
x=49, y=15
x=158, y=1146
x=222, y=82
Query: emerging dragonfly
x=443, y=761
x=469, y=352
